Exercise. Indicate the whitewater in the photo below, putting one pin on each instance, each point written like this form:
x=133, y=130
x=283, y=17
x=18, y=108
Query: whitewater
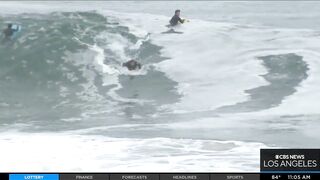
x=242, y=76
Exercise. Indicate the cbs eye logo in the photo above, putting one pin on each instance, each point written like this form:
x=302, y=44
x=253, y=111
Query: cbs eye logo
x=281, y=157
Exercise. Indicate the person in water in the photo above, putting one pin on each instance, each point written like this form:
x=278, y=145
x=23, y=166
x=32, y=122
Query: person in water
x=176, y=18
x=132, y=65
x=8, y=32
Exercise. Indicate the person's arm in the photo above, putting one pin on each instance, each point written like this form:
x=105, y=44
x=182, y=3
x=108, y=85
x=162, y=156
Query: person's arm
x=181, y=20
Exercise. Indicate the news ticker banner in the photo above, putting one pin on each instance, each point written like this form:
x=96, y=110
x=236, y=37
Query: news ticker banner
x=135, y=176
x=162, y=176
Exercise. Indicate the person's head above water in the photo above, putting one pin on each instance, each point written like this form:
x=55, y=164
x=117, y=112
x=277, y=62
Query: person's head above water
x=177, y=12
x=132, y=65
x=9, y=26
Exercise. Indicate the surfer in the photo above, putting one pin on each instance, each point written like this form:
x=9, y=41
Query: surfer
x=176, y=18
x=132, y=65
x=8, y=32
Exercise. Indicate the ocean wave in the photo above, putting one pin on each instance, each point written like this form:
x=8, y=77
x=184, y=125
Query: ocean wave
x=217, y=63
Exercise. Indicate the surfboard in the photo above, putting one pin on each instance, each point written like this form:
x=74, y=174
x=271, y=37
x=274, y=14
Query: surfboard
x=172, y=31
x=17, y=29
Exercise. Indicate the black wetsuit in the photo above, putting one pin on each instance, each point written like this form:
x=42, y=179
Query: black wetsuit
x=132, y=65
x=175, y=19
x=8, y=32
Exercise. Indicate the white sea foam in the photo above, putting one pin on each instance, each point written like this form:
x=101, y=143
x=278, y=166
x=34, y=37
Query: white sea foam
x=64, y=152
x=214, y=63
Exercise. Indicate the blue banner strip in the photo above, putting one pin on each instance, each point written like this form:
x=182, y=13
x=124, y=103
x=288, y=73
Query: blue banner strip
x=33, y=176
